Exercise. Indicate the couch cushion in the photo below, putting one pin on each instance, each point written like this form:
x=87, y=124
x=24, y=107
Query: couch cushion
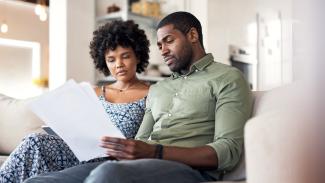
x=239, y=172
x=16, y=121
x=283, y=141
x=275, y=99
x=2, y=159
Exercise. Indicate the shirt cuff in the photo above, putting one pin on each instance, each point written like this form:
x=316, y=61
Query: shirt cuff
x=226, y=160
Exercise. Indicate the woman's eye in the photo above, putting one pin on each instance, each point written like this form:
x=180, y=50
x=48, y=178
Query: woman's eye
x=110, y=60
x=126, y=56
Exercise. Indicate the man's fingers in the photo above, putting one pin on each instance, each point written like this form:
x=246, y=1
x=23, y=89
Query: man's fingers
x=116, y=147
x=120, y=155
x=110, y=139
x=114, y=140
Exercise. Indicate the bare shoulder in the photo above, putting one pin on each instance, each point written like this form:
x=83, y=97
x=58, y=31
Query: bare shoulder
x=98, y=90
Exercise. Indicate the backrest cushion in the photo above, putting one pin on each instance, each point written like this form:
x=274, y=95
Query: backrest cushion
x=16, y=121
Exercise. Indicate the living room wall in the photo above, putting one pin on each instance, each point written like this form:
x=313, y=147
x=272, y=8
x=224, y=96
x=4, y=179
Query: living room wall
x=25, y=25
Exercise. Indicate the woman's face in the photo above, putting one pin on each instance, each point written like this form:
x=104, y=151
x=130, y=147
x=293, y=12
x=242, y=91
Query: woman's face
x=122, y=63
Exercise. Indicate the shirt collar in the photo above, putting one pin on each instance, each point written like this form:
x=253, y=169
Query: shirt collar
x=199, y=65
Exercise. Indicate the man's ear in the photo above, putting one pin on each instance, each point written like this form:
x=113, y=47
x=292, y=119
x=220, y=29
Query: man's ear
x=193, y=35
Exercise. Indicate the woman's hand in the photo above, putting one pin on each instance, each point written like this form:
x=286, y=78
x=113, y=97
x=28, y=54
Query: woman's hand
x=127, y=149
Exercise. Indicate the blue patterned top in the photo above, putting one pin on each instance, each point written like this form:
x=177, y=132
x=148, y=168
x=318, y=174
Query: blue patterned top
x=126, y=116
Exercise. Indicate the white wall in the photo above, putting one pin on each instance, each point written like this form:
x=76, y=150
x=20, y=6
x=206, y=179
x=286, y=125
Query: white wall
x=25, y=25
x=234, y=22
x=231, y=22
x=71, y=27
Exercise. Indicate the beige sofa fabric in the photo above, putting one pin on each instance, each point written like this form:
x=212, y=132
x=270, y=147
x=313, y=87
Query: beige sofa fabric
x=16, y=121
x=2, y=159
x=281, y=141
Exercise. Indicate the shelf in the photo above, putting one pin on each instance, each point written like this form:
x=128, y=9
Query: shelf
x=122, y=15
x=150, y=79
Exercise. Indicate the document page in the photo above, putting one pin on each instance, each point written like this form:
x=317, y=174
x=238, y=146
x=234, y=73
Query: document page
x=74, y=112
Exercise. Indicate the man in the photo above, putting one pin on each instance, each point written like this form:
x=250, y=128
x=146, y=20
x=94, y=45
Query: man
x=192, y=130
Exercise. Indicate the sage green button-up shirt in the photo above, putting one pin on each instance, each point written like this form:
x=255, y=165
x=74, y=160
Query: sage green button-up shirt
x=207, y=106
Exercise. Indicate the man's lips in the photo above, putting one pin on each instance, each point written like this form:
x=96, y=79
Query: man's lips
x=169, y=60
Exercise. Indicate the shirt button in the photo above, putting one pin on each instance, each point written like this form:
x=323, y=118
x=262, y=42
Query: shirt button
x=169, y=114
x=176, y=94
x=196, y=70
x=185, y=77
x=163, y=126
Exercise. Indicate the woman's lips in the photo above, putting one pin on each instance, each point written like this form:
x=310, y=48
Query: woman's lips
x=121, y=73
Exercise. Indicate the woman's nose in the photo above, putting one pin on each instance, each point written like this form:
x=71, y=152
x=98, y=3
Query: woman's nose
x=119, y=63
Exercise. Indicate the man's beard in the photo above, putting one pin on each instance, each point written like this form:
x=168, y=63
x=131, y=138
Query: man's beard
x=183, y=63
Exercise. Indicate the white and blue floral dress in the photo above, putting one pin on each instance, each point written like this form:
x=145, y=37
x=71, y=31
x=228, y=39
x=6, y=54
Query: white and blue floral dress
x=41, y=153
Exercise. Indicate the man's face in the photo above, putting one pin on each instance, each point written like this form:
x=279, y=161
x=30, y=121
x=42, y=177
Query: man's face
x=175, y=48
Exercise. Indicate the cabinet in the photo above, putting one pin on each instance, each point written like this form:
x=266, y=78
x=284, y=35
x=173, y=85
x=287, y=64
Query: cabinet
x=121, y=15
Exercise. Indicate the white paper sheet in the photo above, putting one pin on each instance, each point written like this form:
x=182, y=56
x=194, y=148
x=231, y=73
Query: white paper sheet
x=74, y=112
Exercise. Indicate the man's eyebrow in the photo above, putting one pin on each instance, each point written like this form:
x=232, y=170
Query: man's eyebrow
x=163, y=39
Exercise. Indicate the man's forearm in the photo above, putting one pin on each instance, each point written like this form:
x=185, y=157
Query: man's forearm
x=203, y=157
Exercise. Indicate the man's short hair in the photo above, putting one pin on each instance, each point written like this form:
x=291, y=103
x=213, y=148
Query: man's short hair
x=183, y=21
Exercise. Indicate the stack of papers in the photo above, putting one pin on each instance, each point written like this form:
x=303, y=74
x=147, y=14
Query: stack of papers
x=74, y=112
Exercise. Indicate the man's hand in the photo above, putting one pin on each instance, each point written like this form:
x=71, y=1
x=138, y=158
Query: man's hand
x=127, y=149
x=204, y=157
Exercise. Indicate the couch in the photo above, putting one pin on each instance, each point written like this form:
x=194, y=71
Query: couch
x=16, y=121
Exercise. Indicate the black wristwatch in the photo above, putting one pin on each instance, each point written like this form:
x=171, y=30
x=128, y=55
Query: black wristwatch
x=159, y=151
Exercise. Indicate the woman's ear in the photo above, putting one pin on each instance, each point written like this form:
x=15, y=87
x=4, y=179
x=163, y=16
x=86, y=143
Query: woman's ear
x=193, y=35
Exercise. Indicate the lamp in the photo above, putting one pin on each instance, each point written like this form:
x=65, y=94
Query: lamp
x=4, y=26
x=40, y=10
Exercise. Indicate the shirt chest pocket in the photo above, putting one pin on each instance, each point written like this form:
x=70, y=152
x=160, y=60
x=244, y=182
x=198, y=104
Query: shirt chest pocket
x=194, y=102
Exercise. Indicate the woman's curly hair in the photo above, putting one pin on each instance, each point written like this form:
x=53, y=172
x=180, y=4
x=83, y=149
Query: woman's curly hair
x=119, y=33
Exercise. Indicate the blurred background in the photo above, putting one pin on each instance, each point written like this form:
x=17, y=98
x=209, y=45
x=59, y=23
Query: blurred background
x=43, y=43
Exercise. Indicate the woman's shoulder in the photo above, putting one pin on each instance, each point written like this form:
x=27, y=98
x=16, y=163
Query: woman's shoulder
x=146, y=85
x=98, y=90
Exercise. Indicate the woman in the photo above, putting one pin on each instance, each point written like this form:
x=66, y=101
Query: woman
x=119, y=49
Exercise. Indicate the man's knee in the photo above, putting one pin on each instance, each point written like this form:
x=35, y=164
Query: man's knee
x=39, y=179
x=113, y=171
x=110, y=168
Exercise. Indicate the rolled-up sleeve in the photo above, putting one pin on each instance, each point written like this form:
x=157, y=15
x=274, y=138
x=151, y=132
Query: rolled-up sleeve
x=233, y=109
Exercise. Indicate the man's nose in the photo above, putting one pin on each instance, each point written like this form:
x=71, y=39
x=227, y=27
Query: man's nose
x=164, y=50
